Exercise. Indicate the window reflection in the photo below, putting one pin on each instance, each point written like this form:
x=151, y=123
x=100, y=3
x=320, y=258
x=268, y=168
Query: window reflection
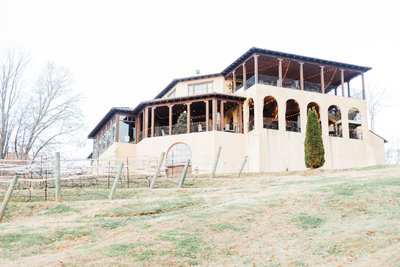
x=126, y=131
x=198, y=89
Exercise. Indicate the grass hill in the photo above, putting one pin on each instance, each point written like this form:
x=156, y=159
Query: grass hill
x=325, y=218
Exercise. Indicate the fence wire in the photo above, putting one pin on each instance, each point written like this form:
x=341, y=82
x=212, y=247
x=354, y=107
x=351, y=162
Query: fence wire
x=84, y=179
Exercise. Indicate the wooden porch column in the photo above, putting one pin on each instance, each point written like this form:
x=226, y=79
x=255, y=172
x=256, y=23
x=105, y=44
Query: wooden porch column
x=188, y=118
x=301, y=76
x=342, y=80
x=207, y=115
x=152, y=122
x=244, y=76
x=117, y=128
x=240, y=118
x=256, y=68
x=146, y=122
x=234, y=81
x=363, y=85
x=170, y=120
x=214, y=114
x=322, y=80
x=221, y=122
x=280, y=73
x=137, y=128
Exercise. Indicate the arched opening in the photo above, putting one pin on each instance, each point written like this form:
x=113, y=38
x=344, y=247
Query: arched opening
x=315, y=105
x=251, y=114
x=177, y=156
x=335, y=121
x=270, y=113
x=292, y=116
x=355, y=127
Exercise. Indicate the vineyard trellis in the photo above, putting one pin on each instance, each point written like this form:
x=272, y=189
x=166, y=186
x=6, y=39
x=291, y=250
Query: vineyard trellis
x=78, y=177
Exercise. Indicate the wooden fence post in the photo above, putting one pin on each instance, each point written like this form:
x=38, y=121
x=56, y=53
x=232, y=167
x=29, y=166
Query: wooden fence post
x=153, y=182
x=215, y=162
x=7, y=197
x=58, y=178
x=114, y=187
x=241, y=167
x=184, y=174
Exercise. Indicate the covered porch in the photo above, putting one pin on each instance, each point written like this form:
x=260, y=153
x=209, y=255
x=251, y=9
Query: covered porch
x=295, y=72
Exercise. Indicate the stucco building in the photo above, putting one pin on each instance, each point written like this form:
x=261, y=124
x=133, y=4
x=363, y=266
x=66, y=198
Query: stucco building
x=257, y=107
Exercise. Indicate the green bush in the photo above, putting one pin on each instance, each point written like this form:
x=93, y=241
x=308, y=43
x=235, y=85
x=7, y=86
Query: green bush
x=314, y=154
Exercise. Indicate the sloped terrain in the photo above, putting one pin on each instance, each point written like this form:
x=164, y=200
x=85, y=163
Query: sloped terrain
x=334, y=218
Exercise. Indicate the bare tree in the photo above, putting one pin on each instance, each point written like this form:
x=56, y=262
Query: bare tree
x=392, y=151
x=377, y=100
x=50, y=115
x=12, y=64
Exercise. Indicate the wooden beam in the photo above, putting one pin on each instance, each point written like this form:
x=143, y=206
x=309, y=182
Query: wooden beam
x=322, y=80
x=207, y=114
x=221, y=113
x=214, y=114
x=188, y=118
x=170, y=119
x=301, y=76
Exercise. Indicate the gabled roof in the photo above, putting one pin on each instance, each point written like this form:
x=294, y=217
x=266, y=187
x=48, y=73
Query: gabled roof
x=192, y=78
x=267, y=52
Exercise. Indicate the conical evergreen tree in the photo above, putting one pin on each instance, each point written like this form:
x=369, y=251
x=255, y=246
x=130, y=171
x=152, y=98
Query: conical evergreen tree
x=181, y=124
x=314, y=154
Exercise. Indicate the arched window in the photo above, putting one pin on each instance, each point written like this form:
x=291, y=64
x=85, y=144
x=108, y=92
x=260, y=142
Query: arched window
x=270, y=113
x=178, y=154
x=251, y=114
x=335, y=121
x=355, y=127
x=292, y=116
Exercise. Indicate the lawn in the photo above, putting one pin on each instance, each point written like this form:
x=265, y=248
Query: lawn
x=312, y=218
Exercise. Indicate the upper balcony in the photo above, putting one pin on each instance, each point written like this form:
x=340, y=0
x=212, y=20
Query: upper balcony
x=296, y=72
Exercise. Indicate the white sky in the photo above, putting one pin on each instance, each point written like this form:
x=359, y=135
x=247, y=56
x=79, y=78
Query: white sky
x=123, y=52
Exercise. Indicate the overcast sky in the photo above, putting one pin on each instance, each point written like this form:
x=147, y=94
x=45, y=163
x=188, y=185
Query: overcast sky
x=124, y=52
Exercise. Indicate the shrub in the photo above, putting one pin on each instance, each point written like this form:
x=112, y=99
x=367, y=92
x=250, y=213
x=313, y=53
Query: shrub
x=313, y=146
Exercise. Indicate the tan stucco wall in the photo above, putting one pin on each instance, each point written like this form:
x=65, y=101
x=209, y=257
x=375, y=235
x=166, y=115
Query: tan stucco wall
x=267, y=149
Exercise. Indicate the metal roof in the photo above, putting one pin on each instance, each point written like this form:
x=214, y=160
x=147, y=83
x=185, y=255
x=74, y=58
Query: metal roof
x=267, y=52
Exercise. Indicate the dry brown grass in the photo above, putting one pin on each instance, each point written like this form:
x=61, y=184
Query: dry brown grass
x=313, y=218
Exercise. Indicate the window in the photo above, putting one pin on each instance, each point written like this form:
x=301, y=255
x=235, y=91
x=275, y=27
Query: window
x=103, y=142
x=172, y=94
x=126, y=129
x=202, y=88
x=108, y=136
x=94, y=149
x=113, y=131
x=178, y=154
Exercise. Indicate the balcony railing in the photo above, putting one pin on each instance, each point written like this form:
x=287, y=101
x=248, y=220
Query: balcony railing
x=198, y=127
x=292, y=126
x=272, y=125
x=251, y=125
x=287, y=83
x=161, y=130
